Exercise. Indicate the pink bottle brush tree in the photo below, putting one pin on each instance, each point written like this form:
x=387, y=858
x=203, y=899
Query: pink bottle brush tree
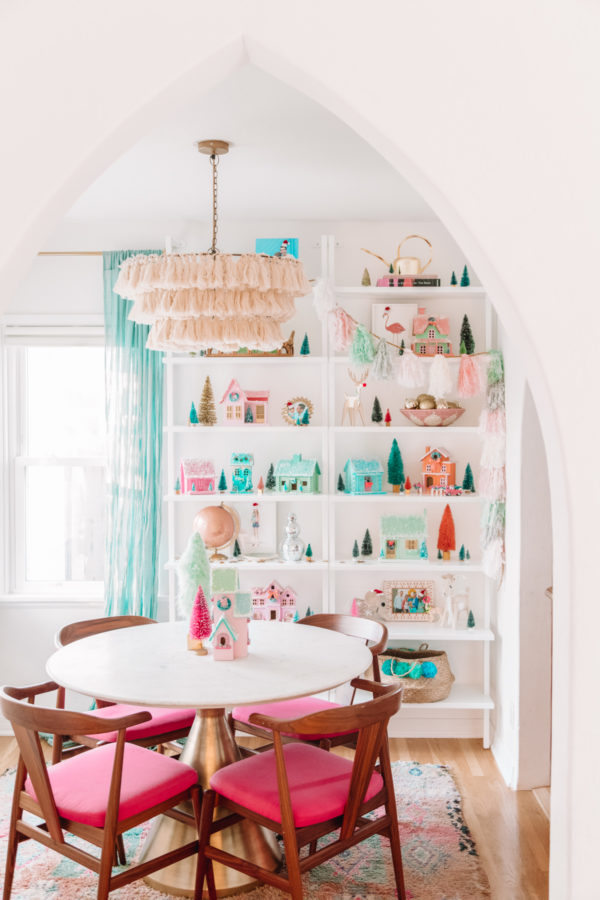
x=200, y=624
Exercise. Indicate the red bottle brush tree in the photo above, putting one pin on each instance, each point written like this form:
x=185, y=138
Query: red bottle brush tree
x=200, y=624
x=446, y=537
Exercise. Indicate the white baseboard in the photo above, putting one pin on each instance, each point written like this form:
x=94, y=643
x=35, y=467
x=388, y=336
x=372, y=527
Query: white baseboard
x=436, y=728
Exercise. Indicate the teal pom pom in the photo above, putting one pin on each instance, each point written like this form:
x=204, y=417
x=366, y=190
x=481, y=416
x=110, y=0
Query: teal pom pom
x=428, y=669
x=386, y=666
x=362, y=351
x=416, y=672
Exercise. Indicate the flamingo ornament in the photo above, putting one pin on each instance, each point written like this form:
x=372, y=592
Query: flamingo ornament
x=395, y=328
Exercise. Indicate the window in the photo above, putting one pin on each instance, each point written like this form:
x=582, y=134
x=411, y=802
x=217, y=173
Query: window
x=411, y=545
x=443, y=467
x=432, y=334
x=238, y=412
x=56, y=456
x=422, y=349
x=440, y=348
x=260, y=412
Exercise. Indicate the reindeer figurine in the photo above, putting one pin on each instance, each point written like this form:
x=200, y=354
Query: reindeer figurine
x=456, y=604
x=352, y=401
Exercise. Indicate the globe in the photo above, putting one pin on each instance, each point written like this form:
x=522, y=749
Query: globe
x=217, y=526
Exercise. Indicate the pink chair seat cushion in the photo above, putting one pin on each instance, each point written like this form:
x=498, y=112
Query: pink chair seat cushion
x=81, y=784
x=319, y=782
x=288, y=709
x=164, y=720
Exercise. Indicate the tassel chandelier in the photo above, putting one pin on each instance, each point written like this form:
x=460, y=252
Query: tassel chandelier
x=212, y=300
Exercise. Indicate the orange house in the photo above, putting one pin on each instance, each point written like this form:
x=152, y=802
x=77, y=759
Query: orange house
x=437, y=470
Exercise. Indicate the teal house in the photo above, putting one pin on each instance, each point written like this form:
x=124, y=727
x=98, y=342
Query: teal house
x=241, y=472
x=402, y=536
x=363, y=476
x=297, y=474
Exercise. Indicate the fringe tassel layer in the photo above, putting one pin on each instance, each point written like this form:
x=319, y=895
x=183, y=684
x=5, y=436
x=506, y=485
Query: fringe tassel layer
x=470, y=380
x=191, y=303
x=440, y=379
x=411, y=371
x=217, y=334
x=172, y=272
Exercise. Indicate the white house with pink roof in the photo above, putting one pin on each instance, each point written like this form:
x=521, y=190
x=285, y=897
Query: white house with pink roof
x=198, y=476
x=250, y=407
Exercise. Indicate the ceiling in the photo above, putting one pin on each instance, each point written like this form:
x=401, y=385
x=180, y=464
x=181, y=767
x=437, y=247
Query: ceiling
x=290, y=159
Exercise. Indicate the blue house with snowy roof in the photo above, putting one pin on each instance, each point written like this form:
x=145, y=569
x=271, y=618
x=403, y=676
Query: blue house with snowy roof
x=363, y=476
x=297, y=474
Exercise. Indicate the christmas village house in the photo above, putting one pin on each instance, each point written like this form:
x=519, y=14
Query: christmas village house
x=231, y=612
x=363, y=476
x=240, y=406
x=438, y=472
x=197, y=476
x=402, y=537
x=274, y=603
x=431, y=334
x=241, y=472
x=297, y=474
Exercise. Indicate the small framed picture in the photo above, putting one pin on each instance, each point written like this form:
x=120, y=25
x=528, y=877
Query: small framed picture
x=410, y=601
x=277, y=246
x=394, y=322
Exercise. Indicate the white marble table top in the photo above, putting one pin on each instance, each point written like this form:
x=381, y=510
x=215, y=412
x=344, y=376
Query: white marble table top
x=150, y=665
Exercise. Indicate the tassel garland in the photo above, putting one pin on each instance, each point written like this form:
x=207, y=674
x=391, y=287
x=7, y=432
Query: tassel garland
x=383, y=367
x=493, y=558
x=411, y=370
x=492, y=423
x=492, y=522
x=323, y=297
x=492, y=484
x=440, y=379
x=495, y=368
x=496, y=395
x=469, y=376
x=493, y=453
x=341, y=329
x=361, y=351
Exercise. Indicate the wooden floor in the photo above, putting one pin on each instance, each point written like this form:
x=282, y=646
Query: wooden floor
x=510, y=828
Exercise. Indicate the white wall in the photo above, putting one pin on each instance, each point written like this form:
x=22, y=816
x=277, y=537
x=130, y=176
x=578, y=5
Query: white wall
x=503, y=143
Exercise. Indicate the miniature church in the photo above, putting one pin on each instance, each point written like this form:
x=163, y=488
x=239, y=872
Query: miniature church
x=231, y=614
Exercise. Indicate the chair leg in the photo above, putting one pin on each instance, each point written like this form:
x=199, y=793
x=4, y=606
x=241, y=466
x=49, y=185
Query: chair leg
x=204, y=865
x=397, y=860
x=292, y=861
x=106, y=861
x=11, y=859
x=121, y=858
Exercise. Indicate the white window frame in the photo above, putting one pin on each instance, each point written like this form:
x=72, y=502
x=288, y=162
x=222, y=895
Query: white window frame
x=26, y=331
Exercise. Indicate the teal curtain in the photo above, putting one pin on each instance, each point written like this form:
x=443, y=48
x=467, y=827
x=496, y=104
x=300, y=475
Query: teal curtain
x=134, y=397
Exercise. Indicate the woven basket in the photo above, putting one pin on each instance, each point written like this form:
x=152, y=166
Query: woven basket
x=420, y=690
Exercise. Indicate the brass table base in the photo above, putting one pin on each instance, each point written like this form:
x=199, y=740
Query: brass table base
x=209, y=747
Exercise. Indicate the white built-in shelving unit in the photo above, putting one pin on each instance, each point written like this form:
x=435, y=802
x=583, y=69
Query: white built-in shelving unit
x=331, y=521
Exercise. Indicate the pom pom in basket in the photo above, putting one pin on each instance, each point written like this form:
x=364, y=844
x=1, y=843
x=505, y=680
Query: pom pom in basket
x=425, y=674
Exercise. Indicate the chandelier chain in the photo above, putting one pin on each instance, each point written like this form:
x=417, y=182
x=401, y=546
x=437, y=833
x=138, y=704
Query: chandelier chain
x=214, y=161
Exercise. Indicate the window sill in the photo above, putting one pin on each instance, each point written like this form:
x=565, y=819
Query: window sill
x=53, y=600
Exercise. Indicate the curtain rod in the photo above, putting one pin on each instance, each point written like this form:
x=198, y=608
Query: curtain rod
x=70, y=253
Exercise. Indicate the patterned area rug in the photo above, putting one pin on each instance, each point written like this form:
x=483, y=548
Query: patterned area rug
x=439, y=854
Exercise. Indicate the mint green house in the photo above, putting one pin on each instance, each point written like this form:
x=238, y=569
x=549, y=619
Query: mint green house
x=431, y=335
x=402, y=536
x=297, y=474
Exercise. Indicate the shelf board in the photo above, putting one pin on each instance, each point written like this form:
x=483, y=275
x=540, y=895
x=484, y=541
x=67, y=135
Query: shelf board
x=250, y=497
x=402, y=498
x=462, y=696
x=412, y=292
x=246, y=428
x=429, y=566
x=423, y=631
x=406, y=429
x=246, y=360
x=270, y=564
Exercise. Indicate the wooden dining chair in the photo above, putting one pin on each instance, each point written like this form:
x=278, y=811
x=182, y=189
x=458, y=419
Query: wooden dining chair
x=164, y=725
x=303, y=793
x=373, y=633
x=97, y=795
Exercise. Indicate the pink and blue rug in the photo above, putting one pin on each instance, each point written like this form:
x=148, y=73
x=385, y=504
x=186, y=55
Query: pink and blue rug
x=439, y=854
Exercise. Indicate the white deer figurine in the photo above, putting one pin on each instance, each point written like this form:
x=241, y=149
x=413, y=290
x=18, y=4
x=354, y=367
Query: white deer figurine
x=456, y=605
x=352, y=401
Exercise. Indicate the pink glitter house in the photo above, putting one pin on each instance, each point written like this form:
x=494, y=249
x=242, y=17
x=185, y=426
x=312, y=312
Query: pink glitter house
x=231, y=612
x=274, y=603
x=198, y=476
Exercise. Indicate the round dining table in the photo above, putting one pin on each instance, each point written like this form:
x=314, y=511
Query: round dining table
x=150, y=665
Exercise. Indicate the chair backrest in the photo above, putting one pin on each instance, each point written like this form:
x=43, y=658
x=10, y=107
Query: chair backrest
x=372, y=632
x=77, y=630
x=369, y=719
x=28, y=720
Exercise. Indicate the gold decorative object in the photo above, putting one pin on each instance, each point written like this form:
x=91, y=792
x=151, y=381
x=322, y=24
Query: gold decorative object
x=212, y=300
x=294, y=410
x=405, y=265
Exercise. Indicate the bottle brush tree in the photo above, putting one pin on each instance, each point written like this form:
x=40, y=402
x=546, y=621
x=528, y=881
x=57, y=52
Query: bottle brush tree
x=376, y=414
x=249, y=417
x=366, y=278
x=468, y=482
x=193, y=415
x=423, y=554
x=261, y=485
x=340, y=484
x=446, y=536
x=309, y=553
x=471, y=620
x=367, y=544
x=355, y=550
x=466, y=335
x=222, y=482
x=454, y=279
x=270, y=483
x=236, y=548
x=305, y=420
x=401, y=348
x=465, y=280
x=395, y=467
x=207, y=414
x=387, y=418
x=305, y=348
x=461, y=553
x=200, y=625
